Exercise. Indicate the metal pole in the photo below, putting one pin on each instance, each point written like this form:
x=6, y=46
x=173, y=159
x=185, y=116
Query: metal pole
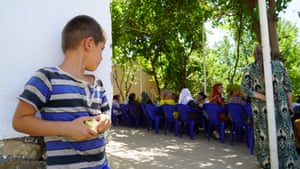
x=204, y=57
x=141, y=79
x=268, y=84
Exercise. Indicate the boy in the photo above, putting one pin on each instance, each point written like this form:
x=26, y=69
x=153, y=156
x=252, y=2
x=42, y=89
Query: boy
x=72, y=104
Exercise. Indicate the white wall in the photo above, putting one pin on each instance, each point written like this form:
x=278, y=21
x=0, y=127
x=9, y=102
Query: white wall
x=30, y=38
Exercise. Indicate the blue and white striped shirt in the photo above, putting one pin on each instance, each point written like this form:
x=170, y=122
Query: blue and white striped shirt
x=59, y=96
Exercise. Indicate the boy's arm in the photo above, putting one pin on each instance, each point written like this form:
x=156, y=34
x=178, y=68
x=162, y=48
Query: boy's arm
x=25, y=121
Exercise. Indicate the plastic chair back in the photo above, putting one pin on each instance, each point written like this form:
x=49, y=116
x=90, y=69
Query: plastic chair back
x=146, y=114
x=124, y=108
x=147, y=118
x=132, y=109
x=238, y=120
x=237, y=114
x=168, y=111
x=169, y=117
x=127, y=114
x=151, y=110
x=213, y=111
x=184, y=111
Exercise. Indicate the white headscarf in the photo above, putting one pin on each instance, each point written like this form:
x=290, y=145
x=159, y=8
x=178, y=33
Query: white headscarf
x=185, y=96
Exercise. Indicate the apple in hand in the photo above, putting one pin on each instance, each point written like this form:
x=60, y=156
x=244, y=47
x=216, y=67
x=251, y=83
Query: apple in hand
x=91, y=123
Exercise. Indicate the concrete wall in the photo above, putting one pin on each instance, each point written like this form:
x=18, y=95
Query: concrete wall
x=144, y=82
x=30, y=38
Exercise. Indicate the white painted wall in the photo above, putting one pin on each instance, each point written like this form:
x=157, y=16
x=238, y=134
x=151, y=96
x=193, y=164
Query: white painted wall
x=30, y=38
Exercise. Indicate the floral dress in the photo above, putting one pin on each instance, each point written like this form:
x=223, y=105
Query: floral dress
x=253, y=81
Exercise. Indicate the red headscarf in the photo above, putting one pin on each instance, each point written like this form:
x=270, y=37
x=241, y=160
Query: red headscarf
x=216, y=96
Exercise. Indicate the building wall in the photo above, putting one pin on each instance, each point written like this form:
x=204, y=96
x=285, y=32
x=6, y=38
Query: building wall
x=144, y=82
x=30, y=39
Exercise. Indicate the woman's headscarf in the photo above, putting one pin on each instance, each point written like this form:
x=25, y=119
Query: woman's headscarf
x=131, y=98
x=185, y=96
x=166, y=94
x=146, y=98
x=216, y=89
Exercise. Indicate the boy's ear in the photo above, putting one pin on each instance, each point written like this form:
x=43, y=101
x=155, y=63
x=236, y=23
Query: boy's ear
x=87, y=42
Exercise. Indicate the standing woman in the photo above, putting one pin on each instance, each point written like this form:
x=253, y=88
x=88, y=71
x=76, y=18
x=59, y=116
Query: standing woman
x=253, y=85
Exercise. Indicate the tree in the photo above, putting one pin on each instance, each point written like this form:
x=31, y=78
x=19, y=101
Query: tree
x=165, y=38
x=161, y=36
x=239, y=18
x=274, y=8
x=124, y=69
x=290, y=49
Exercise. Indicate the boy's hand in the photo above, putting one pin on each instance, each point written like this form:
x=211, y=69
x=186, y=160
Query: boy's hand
x=79, y=131
x=84, y=128
x=104, y=123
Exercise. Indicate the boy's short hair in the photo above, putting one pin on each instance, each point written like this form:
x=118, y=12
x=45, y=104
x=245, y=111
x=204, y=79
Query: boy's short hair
x=79, y=28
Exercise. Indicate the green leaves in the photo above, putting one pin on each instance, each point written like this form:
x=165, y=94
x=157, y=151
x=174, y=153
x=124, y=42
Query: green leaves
x=165, y=38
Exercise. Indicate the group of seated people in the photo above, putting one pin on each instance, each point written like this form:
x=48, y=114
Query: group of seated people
x=185, y=97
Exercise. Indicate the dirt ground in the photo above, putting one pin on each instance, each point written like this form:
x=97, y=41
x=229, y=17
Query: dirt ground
x=131, y=148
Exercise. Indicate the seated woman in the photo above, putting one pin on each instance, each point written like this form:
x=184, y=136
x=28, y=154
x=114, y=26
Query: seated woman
x=137, y=106
x=116, y=108
x=236, y=95
x=217, y=95
x=217, y=98
x=116, y=105
x=145, y=98
x=201, y=99
x=185, y=97
x=168, y=98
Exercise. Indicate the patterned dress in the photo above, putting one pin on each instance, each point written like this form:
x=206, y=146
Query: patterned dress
x=253, y=81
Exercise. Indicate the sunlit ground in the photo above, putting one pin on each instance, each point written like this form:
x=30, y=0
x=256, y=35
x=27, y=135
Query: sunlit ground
x=131, y=148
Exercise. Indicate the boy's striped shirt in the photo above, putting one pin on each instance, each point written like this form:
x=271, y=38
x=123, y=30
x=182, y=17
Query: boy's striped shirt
x=59, y=96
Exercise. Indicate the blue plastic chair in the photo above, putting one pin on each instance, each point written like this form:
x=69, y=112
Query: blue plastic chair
x=213, y=111
x=151, y=112
x=147, y=118
x=202, y=119
x=127, y=114
x=238, y=121
x=133, y=116
x=170, y=121
x=250, y=138
x=184, y=120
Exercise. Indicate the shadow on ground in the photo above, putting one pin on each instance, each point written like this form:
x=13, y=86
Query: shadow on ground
x=131, y=148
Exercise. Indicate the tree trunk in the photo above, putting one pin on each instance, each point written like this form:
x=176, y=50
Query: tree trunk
x=272, y=27
x=251, y=5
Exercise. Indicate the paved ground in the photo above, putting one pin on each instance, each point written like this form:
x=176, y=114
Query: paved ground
x=131, y=148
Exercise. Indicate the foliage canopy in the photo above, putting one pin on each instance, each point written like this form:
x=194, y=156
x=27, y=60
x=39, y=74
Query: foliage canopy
x=167, y=39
